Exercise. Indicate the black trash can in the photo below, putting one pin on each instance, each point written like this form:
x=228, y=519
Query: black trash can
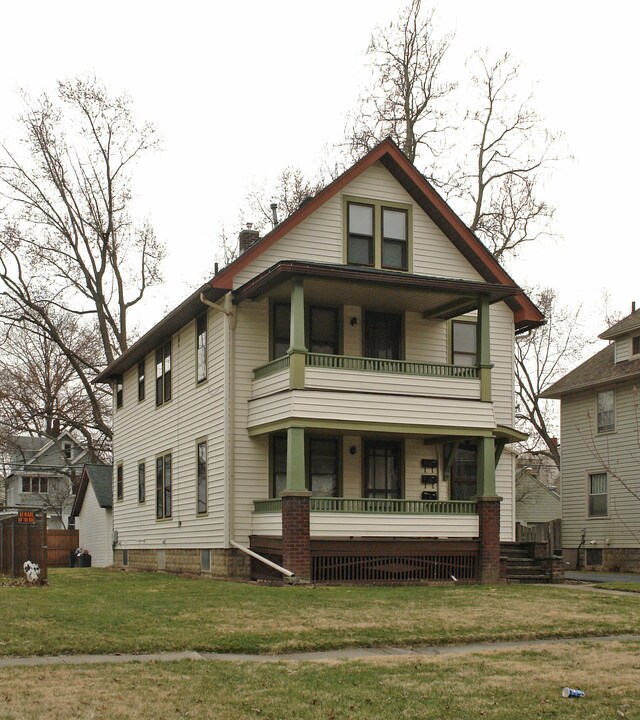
x=84, y=560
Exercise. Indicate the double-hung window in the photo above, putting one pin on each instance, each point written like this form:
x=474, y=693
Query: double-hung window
x=163, y=486
x=598, y=495
x=606, y=407
x=464, y=344
x=119, y=482
x=322, y=466
x=201, y=348
x=360, y=242
x=322, y=330
x=142, y=490
x=119, y=388
x=202, y=477
x=163, y=373
x=635, y=345
x=141, y=368
x=377, y=234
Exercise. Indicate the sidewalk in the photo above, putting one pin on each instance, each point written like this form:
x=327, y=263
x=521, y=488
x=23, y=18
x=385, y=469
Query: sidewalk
x=324, y=656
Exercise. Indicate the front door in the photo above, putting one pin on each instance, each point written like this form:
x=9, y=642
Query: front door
x=382, y=334
x=382, y=469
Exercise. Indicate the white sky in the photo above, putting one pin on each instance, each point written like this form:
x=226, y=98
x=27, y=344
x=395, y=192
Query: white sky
x=238, y=93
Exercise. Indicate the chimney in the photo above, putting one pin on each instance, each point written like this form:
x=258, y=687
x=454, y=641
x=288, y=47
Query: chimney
x=633, y=306
x=274, y=213
x=247, y=238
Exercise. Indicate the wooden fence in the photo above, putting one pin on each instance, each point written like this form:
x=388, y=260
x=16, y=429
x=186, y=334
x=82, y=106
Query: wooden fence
x=23, y=535
x=550, y=533
x=61, y=544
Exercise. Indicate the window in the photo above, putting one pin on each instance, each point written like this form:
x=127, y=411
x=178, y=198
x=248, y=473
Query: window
x=125, y=557
x=464, y=473
x=323, y=465
x=598, y=503
x=141, y=381
x=202, y=477
x=606, y=401
x=35, y=485
x=163, y=373
x=205, y=560
x=360, y=238
x=67, y=449
x=201, y=348
x=377, y=235
x=382, y=469
x=163, y=486
x=394, y=239
x=464, y=343
x=142, y=490
x=635, y=345
x=119, y=482
x=322, y=328
x=382, y=336
x=119, y=391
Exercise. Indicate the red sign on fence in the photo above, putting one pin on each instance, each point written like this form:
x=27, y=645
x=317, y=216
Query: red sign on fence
x=27, y=516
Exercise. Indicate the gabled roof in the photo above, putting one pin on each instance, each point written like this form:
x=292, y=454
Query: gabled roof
x=100, y=478
x=47, y=444
x=526, y=314
x=599, y=370
x=626, y=326
x=424, y=194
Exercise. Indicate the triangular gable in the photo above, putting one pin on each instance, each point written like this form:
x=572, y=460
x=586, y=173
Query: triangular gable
x=51, y=443
x=424, y=194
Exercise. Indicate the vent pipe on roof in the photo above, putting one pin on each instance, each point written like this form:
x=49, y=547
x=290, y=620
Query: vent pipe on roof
x=633, y=306
x=274, y=213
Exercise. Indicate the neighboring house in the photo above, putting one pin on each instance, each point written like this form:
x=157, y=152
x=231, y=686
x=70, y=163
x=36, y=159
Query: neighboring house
x=601, y=452
x=535, y=501
x=336, y=398
x=93, y=510
x=42, y=472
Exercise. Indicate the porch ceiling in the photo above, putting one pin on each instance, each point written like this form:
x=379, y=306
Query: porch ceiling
x=393, y=291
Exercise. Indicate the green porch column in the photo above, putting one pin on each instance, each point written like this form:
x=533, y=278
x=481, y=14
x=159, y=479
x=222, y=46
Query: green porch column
x=483, y=330
x=297, y=351
x=486, y=478
x=295, y=459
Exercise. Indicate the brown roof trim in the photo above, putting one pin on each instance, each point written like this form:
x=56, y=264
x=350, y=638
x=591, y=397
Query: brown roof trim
x=527, y=315
x=288, y=269
x=161, y=331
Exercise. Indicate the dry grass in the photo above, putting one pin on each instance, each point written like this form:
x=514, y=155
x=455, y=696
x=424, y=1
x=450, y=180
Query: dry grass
x=93, y=611
x=495, y=686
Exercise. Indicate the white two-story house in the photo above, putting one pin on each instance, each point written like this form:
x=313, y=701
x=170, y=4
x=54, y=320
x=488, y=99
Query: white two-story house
x=336, y=400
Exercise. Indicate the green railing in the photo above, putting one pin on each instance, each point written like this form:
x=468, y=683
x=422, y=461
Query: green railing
x=378, y=505
x=400, y=367
x=346, y=362
x=273, y=367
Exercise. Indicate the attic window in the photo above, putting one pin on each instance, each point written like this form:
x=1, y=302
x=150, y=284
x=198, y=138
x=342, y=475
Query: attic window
x=635, y=345
x=377, y=234
x=68, y=450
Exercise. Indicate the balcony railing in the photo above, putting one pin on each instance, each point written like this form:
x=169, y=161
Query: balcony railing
x=346, y=362
x=377, y=505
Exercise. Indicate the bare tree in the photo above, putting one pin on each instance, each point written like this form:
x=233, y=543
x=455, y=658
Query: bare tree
x=406, y=96
x=506, y=152
x=69, y=246
x=40, y=393
x=542, y=356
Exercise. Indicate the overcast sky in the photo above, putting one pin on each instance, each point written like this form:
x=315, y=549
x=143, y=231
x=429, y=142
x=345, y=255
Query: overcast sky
x=238, y=93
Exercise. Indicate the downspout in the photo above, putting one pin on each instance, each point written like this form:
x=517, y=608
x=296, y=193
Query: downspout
x=229, y=465
x=262, y=559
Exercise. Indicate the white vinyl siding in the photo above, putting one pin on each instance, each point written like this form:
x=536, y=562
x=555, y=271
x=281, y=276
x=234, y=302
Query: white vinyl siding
x=143, y=431
x=95, y=530
x=319, y=238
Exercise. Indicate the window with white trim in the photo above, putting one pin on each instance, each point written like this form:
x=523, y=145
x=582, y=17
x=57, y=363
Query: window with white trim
x=163, y=486
x=163, y=373
x=464, y=343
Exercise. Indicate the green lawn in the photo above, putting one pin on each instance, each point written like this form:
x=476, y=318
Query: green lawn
x=101, y=611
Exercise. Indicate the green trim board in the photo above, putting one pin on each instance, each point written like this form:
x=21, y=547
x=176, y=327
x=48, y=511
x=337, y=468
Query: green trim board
x=369, y=427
